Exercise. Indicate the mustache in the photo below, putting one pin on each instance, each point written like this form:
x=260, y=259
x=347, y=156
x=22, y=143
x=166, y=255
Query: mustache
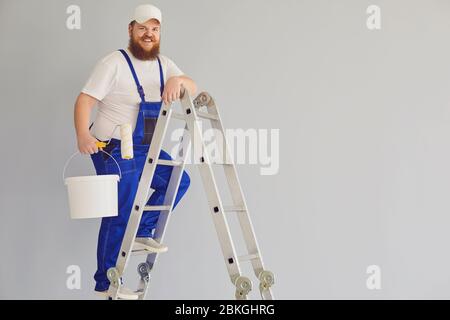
x=148, y=38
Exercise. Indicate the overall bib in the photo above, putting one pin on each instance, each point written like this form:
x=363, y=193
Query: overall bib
x=112, y=229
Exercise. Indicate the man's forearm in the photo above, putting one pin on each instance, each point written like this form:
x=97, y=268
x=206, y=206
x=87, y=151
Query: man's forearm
x=189, y=84
x=82, y=113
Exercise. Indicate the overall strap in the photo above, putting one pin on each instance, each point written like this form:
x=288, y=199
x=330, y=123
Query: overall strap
x=161, y=77
x=133, y=72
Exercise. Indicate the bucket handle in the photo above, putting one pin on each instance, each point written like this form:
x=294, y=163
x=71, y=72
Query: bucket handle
x=71, y=157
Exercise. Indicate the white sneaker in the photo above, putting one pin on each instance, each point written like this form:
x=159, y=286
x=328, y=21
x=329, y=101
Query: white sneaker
x=125, y=294
x=150, y=244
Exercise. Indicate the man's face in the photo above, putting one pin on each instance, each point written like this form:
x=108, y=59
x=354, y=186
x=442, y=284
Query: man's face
x=144, y=39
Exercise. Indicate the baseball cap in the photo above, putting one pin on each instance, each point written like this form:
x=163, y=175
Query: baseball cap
x=145, y=12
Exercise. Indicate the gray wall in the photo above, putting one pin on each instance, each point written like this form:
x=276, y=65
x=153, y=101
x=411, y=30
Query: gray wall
x=364, y=121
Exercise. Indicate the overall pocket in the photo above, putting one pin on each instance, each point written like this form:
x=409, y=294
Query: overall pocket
x=149, y=129
x=150, y=114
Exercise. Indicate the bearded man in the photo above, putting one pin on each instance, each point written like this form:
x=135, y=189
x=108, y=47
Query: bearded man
x=129, y=87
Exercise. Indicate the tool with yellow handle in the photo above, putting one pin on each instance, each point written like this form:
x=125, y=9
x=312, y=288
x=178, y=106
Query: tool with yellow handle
x=100, y=144
x=126, y=141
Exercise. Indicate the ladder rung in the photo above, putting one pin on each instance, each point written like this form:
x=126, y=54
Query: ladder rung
x=200, y=114
x=248, y=257
x=140, y=252
x=156, y=208
x=139, y=249
x=222, y=164
x=169, y=163
x=233, y=208
x=178, y=116
x=206, y=115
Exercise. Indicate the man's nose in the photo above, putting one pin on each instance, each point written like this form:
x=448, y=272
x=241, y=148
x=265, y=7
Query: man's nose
x=149, y=33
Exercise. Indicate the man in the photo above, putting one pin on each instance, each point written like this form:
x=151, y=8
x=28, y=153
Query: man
x=128, y=86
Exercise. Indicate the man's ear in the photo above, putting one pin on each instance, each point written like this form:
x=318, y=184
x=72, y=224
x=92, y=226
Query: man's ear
x=130, y=29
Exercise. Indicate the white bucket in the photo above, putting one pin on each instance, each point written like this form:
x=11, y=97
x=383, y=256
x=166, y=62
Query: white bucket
x=92, y=196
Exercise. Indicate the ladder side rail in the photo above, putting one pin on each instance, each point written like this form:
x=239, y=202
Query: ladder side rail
x=212, y=193
x=236, y=191
x=164, y=218
x=140, y=198
x=265, y=277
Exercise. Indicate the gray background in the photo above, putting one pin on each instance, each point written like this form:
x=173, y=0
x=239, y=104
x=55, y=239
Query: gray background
x=364, y=121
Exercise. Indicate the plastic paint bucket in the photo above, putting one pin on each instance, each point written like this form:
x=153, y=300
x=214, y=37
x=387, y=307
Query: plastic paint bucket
x=92, y=196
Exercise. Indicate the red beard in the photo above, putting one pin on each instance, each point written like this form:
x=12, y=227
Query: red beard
x=142, y=54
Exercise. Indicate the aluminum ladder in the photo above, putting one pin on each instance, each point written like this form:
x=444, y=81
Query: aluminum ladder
x=192, y=116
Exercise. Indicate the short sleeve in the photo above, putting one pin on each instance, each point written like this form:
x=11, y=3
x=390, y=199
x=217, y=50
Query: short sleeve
x=172, y=70
x=101, y=80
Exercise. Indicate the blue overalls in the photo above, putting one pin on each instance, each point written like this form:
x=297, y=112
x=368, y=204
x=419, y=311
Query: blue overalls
x=112, y=229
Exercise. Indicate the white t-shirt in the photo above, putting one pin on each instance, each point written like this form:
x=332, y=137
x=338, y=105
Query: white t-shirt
x=113, y=85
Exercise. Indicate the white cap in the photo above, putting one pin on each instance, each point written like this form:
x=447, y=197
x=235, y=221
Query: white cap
x=145, y=12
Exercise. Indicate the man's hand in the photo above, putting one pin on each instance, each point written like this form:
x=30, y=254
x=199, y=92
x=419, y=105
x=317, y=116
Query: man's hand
x=172, y=90
x=173, y=87
x=86, y=144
